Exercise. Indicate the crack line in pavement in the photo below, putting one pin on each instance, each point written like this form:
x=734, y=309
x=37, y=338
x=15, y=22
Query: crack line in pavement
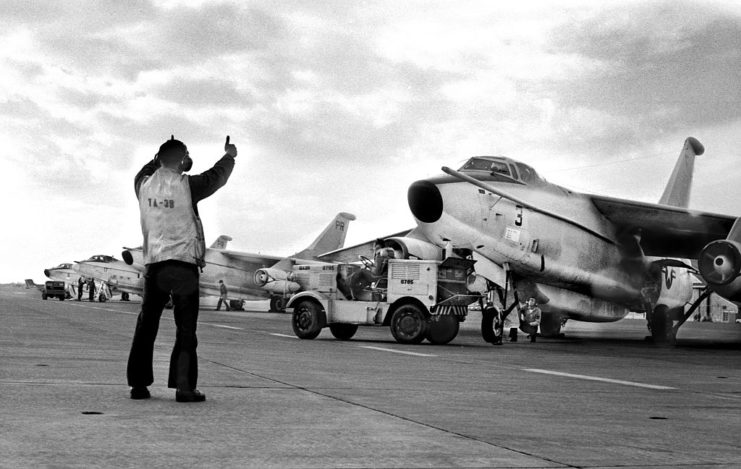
x=406, y=419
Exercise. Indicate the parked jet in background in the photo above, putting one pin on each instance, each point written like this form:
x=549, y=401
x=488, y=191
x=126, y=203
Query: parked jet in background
x=581, y=256
x=251, y=276
x=115, y=276
x=64, y=272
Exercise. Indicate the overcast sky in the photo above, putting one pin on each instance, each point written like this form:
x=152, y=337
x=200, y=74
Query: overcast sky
x=341, y=105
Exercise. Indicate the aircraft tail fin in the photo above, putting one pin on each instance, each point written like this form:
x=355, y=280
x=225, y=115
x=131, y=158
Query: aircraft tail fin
x=677, y=191
x=221, y=242
x=31, y=284
x=332, y=238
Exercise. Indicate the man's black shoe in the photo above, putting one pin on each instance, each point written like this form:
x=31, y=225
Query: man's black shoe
x=189, y=396
x=140, y=392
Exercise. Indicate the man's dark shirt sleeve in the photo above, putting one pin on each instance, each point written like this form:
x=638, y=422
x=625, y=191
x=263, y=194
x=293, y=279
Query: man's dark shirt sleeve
x=204, y=184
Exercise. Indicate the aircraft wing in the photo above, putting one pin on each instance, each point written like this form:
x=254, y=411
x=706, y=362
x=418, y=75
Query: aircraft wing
x=665, y=231
x=351, y=253
x=252, y=258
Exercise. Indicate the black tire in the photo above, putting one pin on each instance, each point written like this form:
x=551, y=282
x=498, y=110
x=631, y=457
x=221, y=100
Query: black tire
x=43, y=296
x=443, y=329
x=343, y=331
x=307, y=319
x=409, y=324
x=102, y=298
x=550, y=325
x=277, y=304
x=661, y=325
x=61, y=297
x=488, y=315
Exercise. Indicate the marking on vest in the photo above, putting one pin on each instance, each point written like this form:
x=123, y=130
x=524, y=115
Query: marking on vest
x=167, y=203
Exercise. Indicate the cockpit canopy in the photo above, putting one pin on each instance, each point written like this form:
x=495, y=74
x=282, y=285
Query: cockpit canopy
x=101, y=258
x=63, y=266
x=502, y=166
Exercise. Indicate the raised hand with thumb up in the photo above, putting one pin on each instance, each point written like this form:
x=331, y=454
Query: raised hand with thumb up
x=229, y=148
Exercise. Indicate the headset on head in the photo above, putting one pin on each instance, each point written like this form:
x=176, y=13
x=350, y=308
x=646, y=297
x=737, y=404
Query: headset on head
x=185, y=164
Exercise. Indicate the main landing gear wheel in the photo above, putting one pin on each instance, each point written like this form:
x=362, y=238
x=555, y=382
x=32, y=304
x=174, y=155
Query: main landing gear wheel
x=489, y=325
x=443, y=329
x=343, y=331
x=277, y=304
x=661, y=326
x=307, y=319
x=409, y=324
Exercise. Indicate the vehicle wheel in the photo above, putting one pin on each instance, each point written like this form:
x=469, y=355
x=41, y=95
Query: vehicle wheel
x=409, y=324
x=443, y=329
x=343, y=331
x=43, y=296
x=307, y=319
x=102, y=298
x=61, y=297
x=277, y=304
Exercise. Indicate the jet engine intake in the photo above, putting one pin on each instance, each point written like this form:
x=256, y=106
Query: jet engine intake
x=720, y=265
x=405, y=248
x=264, y=276
x=425, y=201
x=720, y=262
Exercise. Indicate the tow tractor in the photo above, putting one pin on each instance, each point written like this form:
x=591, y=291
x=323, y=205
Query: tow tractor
x=417, y=299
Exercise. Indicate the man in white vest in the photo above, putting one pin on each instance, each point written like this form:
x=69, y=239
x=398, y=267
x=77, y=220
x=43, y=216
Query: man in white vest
x=174, y=249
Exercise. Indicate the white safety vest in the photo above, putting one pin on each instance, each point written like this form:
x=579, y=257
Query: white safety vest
x=171, y=228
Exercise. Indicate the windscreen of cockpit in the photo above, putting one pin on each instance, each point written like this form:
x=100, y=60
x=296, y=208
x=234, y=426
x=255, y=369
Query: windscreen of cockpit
x=484, y=164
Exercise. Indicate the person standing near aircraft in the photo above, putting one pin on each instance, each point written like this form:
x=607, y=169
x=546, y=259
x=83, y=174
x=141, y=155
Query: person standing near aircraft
x=91, y=290
x=173, y=252
x=223, y=297
x=530, y=319
x=80, y=284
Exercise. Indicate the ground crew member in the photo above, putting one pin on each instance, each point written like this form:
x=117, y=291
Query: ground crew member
x=222, y=290
x=174, y=250
x=530, y=319
x=80, y=284
x=91, y=290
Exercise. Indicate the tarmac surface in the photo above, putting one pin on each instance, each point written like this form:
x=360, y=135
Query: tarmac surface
x=600, y=397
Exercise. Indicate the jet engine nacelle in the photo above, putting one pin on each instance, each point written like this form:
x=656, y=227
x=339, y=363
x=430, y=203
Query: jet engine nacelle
x=406, y=247
x=720, y=265
x=268, y=275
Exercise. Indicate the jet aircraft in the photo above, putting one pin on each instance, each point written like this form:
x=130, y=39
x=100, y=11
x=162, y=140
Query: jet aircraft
x=581, y=256
x=250, y=276
x=64, y=272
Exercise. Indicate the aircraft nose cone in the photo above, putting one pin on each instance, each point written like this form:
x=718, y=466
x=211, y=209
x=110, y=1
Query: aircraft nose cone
x=425, y=201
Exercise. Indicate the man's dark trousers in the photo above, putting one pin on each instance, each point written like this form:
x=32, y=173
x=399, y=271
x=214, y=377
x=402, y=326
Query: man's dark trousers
x=160, y=280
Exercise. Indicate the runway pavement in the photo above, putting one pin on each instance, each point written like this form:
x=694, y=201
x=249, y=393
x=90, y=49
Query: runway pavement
x=601, y=397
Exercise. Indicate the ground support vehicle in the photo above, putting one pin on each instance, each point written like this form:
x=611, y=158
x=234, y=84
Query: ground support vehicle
x=417, y=299
x=54, y=289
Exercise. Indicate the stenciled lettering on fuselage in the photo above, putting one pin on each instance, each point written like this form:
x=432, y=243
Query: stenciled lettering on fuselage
x=165, y=203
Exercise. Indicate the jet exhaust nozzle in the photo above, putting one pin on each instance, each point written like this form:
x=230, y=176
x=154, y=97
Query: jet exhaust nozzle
x=720, y=262
x=425, y=201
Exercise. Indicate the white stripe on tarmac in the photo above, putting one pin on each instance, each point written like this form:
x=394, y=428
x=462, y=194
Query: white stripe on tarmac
x=224, y=327
x=284, y=335
x=596, y=378
x=397, y=351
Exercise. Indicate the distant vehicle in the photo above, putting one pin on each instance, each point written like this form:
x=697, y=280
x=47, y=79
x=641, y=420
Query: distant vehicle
x=417, y=299
x=53, y=289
